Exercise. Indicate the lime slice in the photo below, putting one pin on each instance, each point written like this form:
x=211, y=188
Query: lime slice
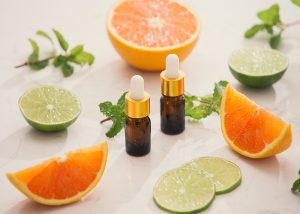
x=182, y=190
x=49, y=108
x=224, y=174
x=257, y=67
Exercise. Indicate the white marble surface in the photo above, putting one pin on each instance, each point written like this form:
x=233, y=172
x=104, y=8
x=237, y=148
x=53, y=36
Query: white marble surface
x=127, y=183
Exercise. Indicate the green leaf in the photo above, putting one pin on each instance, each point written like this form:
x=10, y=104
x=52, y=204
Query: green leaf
x=45, y=35
x=199, y=112
x=218, y=94
x=121, y=100
x=38, y=65
x=116, y=127
x=34, y=56
x=105, y=108
x=59, y=61
x=77, y=50
x=275, y=40
x=253, y=30
x=296, y=186
x=67, y=69
x=296, y=2
x=270, y=16
x=116, y=113
x=83, y=58
x=269, y=29
x=63, y=43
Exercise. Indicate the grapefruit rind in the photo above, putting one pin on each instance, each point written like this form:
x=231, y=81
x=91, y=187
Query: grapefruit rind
x=57, y=202
x=280, y=144
x=150, y=58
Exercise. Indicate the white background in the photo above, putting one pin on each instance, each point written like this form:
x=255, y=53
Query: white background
x=126, y=186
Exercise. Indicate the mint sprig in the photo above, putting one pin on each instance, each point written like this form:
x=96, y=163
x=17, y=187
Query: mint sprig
x=195, y=107
x=200, y=107
x=65, y=60
x=115, y=113
x=271, y=23
x=296, y=185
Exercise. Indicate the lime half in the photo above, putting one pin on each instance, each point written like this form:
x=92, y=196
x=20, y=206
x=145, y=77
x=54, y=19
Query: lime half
x=183, y=191
x=224, y=174
x=257, y=67
x=49, y=108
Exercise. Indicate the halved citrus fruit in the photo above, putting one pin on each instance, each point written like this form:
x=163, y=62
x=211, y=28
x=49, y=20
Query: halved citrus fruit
x=144, y=32
x=258, y=67
x=59, y=181
x=251, y=130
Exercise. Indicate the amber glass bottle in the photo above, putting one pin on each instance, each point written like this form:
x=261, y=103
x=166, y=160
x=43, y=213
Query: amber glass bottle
x=172, y=111
x=172, y=102
x=138, y=136
x=138, y=124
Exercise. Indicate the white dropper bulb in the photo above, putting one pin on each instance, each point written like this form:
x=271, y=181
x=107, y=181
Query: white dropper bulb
x=172, y=66
x=136, y=87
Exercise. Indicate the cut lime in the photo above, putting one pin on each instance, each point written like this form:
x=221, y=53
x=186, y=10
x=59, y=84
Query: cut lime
x=183, y=191
x=257, y=67
x=49, y=108
x=224, y=174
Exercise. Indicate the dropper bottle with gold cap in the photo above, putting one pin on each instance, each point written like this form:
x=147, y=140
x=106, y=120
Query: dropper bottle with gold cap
x=138, y=124
x=172, y=102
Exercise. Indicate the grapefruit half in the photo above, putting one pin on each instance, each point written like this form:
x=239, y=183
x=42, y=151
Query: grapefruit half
x=144, y=32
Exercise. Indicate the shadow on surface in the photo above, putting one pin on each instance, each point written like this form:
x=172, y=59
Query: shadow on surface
x=27, y=143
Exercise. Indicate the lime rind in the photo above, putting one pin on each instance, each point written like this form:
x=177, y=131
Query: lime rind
x=49, y=108
x=224, y=174
x=183, y=191
x=257, y=67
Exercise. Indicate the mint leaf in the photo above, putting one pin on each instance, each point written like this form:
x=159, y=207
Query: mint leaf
x=121, y=100
x=116, y=113
x=34, y=56
x=296, y=2
x=296, y=185
x=275, y=40
x=45, y=35
x=67, y=69
x=76, y=50
x=105, y=108
x=253, y=30
x=201, y=107
x=59, y=60
x=38, y=65
x=62, y=42
x=269, y=29
x=83, y=58
x=199, y=112
x=218, y=94
x=270, y=16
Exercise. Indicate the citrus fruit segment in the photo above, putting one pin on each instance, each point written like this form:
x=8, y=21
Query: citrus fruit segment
x=183, y=191
x=144, y=32
x=49, y=108
x=224, y=174
x=251, y=130
x=59, y=181
x=257, y=67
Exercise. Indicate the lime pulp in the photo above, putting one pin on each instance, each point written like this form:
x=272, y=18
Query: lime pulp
x=49, y=108
x=257, y=67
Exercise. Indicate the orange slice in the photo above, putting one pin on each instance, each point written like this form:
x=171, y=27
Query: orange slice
x=249, y=129
x=59, y=181
x=144, y=32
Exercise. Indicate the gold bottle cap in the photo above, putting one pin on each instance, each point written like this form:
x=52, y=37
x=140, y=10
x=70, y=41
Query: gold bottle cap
x=172, y=87
x=137, y=108
x=137, y=101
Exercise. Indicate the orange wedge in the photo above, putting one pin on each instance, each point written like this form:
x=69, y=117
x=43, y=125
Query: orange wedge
x=144, y=32
x=59, y=181
x=249, y=129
